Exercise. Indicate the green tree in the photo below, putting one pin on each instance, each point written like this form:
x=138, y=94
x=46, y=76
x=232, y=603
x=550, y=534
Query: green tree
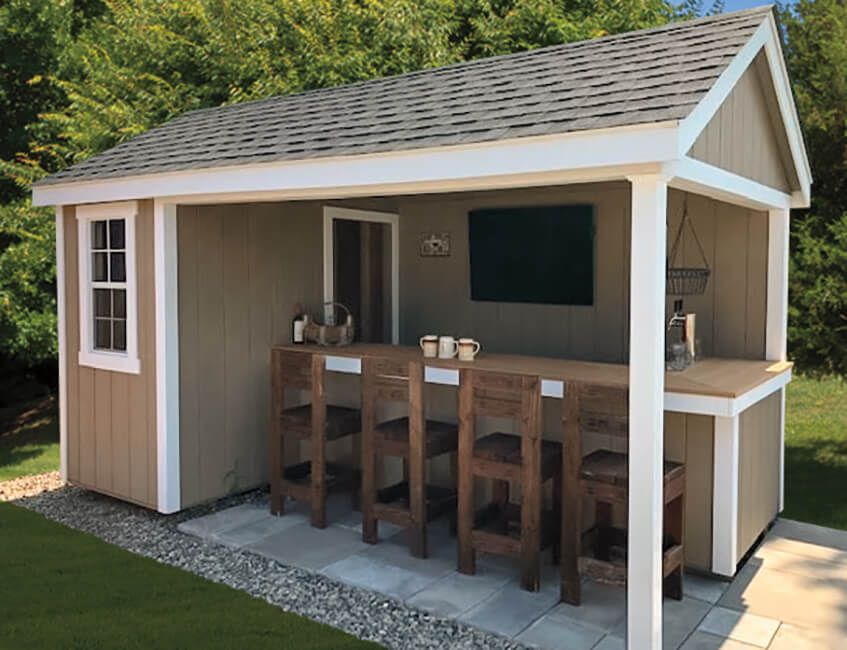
x=817, y=58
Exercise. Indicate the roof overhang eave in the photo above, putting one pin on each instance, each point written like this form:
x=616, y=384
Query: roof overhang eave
x=584, y=156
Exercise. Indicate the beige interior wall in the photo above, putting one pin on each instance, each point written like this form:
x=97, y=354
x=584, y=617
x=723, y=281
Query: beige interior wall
x=746, y=135
x=758, y=473
x=732, y=313
x=111, y=416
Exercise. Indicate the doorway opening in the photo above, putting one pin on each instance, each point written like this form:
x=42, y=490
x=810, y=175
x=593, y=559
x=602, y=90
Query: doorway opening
x=361, y=270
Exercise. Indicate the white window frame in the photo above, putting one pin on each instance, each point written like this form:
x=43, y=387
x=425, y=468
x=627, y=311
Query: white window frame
x=89, y=356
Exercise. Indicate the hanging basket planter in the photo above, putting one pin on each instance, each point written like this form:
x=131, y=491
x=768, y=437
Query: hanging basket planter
x=686, y=280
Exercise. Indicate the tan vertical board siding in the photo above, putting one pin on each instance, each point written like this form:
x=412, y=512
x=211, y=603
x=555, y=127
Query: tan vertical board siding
x=731, y=314
x=435, y=291
x=742, y=138
x=758, y=475
x=112, y=415
x=241, y=270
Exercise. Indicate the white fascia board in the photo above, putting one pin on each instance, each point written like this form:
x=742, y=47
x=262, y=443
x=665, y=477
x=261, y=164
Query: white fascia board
x=702, y=178
x=726, y=407
x=788, y=111
x=434, y=169
x=692, y=126
x=766, y=37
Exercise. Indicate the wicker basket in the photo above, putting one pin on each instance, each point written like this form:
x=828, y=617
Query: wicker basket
x=686, y=280
x=331, y=334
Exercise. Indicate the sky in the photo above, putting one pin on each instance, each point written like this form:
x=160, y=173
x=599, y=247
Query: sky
x=735, y=5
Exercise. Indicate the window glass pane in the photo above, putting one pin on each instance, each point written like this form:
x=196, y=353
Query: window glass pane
x=119, y=341
x=98, y=235
x=102, y=302
x=103, y=333
x=116, y=234
x=119, y=298
x=100, y=267
x=118, y=267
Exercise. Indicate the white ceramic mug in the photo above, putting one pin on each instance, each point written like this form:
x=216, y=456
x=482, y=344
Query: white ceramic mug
x=429, y=345
x=468, y=349
x=447, y=347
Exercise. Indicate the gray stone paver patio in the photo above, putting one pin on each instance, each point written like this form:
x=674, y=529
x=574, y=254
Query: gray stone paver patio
x=792, y=593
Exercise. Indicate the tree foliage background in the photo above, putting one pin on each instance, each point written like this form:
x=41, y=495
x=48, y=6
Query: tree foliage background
x=77, y=77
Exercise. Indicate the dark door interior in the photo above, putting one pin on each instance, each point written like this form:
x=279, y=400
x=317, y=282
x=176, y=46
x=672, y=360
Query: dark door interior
x=363, y=277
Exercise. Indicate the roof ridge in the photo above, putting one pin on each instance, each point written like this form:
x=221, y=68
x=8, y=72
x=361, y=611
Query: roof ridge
x=694, y=22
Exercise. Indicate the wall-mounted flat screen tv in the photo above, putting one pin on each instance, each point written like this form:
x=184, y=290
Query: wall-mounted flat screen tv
x=533, y=254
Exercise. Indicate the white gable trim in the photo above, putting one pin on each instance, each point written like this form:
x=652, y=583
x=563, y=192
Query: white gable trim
x=766, y=37
x=431, y=169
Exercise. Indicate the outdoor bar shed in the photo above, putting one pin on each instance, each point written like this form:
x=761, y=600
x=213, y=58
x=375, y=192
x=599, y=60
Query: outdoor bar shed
x=182, y=252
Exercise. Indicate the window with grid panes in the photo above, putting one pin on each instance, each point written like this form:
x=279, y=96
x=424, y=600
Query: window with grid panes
x=108, y=284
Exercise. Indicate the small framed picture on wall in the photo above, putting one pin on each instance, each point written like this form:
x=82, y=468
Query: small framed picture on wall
x=435, y=244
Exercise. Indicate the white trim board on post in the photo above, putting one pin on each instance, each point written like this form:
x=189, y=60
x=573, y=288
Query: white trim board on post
x=167, y=356
x=646, y=411
x=331, y=213
x=725, y=495
x=776, y=332
x=62, y=340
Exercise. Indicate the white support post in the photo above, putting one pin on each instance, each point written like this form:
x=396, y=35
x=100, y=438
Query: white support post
x=776, y=334
x=646, y=411
x=167, y=356
x=725, y=506
x=63, y=348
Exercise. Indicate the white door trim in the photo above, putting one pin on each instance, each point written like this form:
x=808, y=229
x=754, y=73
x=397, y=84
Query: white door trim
x=167, y=356
x=331, y=213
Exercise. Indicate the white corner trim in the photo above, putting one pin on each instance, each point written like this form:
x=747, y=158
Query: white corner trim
x=430, y=169
x=776, y=329
x=128, y=361
x=332, y=213
x=700, y=177
x=63, y=345
x=697, y=120
x=167, y=356
x=781, y=498
x=646, y=411
x=725, y=496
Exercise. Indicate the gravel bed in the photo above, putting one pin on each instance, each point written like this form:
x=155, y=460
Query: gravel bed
x=28, y=486
x=362, y=613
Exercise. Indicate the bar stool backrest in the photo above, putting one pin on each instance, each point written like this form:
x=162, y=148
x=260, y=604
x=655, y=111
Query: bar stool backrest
x=603, y=409
x=387, y=380
x=499, y=394
x=293, y=369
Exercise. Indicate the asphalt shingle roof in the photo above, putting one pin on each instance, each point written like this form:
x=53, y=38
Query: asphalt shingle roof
x=638, y=77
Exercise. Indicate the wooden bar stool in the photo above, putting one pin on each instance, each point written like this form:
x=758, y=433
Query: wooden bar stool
x=602, y=477
x=310, y=480
x=502, y=527
x=411, y=503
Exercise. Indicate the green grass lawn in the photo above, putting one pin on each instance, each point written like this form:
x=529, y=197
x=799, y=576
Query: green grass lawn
x=29, y=439
x=60, y=588
x=816, y=451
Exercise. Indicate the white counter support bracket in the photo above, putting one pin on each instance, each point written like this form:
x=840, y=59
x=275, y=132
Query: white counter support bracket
x=725, y=506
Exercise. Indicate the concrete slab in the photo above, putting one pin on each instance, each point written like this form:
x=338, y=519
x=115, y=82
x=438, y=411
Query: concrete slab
x=810, y=600
x=810, y=533
x=253, y=531
x=703, y=588
x=602, y=606
x=361, y=571
x=207, y=525
x=705, y=641
x=610, y=642
x=680, y=618
x=455, y=593
x=307, y=547
x=511, y=610
x=353, y=521
x=553, y=632
x=738, y=626
x=792, y=637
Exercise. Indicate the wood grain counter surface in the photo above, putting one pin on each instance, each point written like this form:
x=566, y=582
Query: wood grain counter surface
x=714, y=377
